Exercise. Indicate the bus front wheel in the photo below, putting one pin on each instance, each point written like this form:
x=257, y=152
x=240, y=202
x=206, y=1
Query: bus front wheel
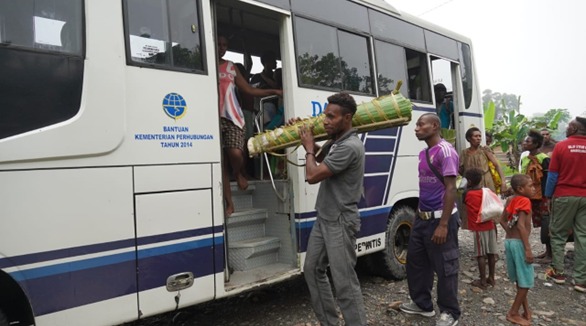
x=3, y=319
x=390, y=263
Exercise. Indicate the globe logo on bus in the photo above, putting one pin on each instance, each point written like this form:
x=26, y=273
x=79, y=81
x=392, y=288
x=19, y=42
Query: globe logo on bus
x=174, y=106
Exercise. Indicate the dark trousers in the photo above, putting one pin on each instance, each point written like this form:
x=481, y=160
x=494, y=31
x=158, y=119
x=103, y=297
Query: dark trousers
x=424, y=258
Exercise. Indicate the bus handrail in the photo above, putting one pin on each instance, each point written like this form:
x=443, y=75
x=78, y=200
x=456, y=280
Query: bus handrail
x=260, y=128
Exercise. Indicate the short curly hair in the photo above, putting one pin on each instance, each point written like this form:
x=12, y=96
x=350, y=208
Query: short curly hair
x=470, y=131
x=519, y=180
x=536, y=137
x=345, y=101
x=474, y=176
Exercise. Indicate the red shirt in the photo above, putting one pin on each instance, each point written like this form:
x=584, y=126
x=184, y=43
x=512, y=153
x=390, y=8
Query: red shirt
x=473, y=203
x=518, y=204
x=568, y=159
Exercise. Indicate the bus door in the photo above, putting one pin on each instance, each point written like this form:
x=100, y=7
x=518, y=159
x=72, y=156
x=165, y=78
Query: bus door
x=174, y=148
x=448, y=98
x=260, y=243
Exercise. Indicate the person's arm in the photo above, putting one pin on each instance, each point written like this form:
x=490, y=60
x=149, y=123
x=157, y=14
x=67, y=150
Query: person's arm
x=504, y=215
x=552, y=181
x=461, y=168
x=314, y=172
x=523, y=225
x=257, y=92
x=271, y=82
x=441, y=231
x=497, y=165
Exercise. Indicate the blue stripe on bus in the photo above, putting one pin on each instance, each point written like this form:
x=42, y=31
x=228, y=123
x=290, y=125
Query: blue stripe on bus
x=73, y=266
x=372, y=222
x=76, y=288
x=101, y=247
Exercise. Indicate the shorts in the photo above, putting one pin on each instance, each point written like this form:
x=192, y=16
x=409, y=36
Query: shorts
x=485, y=243
x=517, y=269
x=232, y=136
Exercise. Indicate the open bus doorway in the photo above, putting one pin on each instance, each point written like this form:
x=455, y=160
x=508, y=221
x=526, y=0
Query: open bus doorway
x=259, y=235
x=447, y=92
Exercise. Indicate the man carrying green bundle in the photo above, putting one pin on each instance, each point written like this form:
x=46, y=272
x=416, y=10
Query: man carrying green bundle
x=333, y=237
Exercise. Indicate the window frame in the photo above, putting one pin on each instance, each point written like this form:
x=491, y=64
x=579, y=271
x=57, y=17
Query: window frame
x=337, y=28
x=166, y=67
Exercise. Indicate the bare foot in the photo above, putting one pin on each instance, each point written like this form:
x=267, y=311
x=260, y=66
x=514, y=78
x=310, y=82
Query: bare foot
x=490, y=281
x=527, y=315
x=542, y=255
x=479, y=284
x=242, y=182
x=517, y=319
x=229, y=210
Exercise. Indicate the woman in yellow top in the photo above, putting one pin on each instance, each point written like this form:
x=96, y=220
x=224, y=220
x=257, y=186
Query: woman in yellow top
x=477, y=156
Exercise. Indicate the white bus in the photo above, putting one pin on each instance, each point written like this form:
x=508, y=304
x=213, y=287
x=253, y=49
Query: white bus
x=111, y=203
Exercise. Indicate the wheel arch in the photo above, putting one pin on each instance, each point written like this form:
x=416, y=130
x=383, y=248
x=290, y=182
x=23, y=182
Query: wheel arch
x=13, y=301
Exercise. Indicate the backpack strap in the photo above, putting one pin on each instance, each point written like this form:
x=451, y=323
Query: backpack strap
x=432, y=168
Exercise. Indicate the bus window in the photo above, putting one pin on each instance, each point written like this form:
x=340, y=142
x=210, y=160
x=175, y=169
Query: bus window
x=391, y=66
x=331, y=58
x=164, y=34
x=51, y=67
x=42, y=25
x=418, y=84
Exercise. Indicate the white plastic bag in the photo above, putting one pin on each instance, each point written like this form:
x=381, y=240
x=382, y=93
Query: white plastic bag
x=491, y=208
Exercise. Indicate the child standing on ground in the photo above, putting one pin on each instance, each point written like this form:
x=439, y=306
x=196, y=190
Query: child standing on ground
x=516, y=220
x=484, y=233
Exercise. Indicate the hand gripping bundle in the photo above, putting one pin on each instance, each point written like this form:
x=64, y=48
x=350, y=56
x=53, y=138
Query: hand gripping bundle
x=387, y=111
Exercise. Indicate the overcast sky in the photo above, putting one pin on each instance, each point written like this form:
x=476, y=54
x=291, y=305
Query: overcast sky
x=535, y=49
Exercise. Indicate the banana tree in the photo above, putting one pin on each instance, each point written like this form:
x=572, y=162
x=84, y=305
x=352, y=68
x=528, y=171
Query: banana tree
x=509, y=132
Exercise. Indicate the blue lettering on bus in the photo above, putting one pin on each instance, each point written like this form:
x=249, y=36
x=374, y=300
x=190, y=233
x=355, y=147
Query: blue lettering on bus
x=317, y=108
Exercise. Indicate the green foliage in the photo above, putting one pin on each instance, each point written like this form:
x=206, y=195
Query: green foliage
x=489, y=114
x=509, y=130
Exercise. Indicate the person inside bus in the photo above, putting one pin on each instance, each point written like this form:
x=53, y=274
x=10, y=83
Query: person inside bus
x=444, y=105
x=232, y=120
x=265, y=80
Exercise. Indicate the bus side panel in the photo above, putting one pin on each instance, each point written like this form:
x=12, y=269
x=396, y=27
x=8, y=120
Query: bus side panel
x=85, y=218
x=174, y=235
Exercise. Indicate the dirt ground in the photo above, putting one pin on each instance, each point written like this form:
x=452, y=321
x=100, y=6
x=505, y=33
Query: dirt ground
x=288, y=303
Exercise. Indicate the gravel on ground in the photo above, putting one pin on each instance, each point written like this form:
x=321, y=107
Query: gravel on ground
x=287, y=303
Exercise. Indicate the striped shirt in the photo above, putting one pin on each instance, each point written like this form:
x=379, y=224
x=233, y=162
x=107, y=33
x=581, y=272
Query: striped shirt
x=444, y=158
x=229, y=106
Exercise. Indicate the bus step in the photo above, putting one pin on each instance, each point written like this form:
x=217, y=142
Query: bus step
x=252, y=253
x=242, y=198
x=246, y=224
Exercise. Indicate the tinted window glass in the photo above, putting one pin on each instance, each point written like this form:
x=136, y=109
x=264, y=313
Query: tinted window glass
x=342, y=12
x=355, y=63
x=317, y=54
x=441, y=45
x=40, y=87
x=391, y=66
x=418, y=73
x=51, y=25
x=332, y=58
x=156, y=39
x=467, y=73
x=396, y=30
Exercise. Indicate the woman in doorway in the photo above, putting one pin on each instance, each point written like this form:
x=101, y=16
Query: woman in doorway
x=477, y=156
x=232, y=120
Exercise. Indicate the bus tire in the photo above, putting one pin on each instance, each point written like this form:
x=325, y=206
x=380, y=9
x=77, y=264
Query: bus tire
x=390, y=263
x=3, y=319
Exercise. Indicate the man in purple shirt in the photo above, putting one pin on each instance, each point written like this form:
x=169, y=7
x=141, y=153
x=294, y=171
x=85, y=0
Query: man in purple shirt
x=433, y=243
